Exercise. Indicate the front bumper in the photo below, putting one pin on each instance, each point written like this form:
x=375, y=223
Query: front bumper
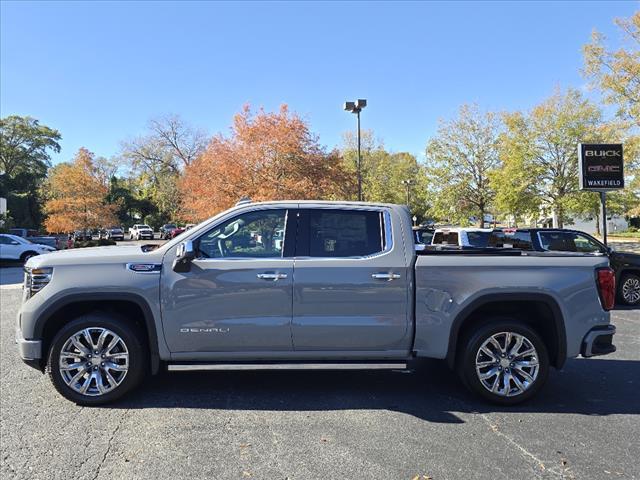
x=599, y=341
x=30, y=351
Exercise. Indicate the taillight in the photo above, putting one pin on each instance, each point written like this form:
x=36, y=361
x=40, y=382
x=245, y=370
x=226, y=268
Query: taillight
x=606, y=280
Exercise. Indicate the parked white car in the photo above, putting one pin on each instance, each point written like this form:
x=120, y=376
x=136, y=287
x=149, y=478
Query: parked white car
x=13, y=247
x=141, y=232
x=462, y=237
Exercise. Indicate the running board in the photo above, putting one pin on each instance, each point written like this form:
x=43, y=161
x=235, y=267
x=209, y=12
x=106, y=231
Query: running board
x=191, y=367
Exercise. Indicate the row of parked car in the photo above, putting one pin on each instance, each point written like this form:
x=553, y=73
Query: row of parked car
x=625, y=264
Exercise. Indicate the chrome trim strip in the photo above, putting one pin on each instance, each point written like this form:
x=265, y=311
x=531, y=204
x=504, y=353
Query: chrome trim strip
x=286, y=366
x=157, y=267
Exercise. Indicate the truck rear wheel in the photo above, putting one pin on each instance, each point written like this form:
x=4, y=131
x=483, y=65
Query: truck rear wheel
x=97, y=359
x=504, y=362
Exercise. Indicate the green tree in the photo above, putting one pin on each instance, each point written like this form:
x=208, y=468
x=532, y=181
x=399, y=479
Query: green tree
x=617, y=73
x=372, y=153
x=547, y=140
x=385, y=182
x=460, y=160
x=516, y=198
x=25, y=148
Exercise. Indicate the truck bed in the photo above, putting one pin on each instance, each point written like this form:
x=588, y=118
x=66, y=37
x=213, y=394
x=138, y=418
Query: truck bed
x=449, y=283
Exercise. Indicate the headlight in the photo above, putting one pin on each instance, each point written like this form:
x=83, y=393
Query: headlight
x=35, y=279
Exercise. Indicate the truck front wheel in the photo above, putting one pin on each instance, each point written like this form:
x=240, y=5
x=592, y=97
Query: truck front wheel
x=505, y=362
x=96, y=359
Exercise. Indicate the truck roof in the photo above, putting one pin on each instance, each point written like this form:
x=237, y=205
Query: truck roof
x=330, y=202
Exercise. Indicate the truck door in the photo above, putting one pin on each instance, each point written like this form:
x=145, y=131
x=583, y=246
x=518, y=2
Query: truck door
x=237, y=296
x=352, y=283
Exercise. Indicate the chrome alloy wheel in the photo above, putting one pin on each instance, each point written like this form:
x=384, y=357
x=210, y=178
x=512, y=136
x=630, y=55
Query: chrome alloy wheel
x=94, y=361
x=631, y=290
x=507, y=364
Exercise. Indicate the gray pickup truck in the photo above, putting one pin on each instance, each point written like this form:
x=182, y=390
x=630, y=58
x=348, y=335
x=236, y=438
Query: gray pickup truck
x=309, y=285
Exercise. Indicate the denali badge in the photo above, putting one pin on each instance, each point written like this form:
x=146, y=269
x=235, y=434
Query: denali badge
x=204, y=330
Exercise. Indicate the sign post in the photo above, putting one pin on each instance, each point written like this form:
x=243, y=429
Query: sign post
x=601, y=169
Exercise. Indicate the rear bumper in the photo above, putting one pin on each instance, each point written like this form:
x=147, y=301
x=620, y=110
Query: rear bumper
x=599, y=341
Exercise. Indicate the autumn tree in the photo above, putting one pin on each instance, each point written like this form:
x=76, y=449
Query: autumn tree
x=460, y=160
x=76, y=196
x=544, y=144
x=267, y=156
x=617, y=73
x=25, y=149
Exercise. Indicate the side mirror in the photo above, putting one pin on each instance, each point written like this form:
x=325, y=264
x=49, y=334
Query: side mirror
x=184, y=254
x=13, y=242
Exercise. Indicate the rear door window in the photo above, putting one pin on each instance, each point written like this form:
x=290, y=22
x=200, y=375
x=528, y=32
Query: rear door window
x=341, y=233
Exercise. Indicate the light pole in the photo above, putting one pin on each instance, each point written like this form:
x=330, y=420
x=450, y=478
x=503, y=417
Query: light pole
x=356, y=107
x=407, y=183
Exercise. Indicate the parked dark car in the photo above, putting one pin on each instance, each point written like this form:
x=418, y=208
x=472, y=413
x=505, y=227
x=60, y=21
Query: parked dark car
x=112, y=233
x=625, y=264
x=82, y=235
x=166, y=229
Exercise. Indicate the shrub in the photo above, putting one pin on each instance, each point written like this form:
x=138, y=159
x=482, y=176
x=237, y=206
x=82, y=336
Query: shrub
x=93, y=243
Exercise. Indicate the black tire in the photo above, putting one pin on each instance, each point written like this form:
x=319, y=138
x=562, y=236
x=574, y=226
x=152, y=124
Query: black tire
x=466, y=364
x=27, y=255
x=132, y=338
x=629, y=280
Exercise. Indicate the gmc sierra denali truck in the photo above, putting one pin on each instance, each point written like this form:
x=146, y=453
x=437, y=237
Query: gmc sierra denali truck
x=309, y=285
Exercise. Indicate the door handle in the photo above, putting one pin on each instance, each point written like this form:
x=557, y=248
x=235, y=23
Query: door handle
x=272, y=276
x=386, y=276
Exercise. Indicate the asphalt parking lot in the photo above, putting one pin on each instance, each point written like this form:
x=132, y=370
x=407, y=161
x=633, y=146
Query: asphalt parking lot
x=307, y=425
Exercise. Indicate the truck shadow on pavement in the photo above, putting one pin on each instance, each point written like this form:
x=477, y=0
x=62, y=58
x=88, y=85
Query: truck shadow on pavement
x=431, y=393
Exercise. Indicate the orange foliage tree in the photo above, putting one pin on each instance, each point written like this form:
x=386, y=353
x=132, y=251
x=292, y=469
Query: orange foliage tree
x=268, y=156
x=76, y=196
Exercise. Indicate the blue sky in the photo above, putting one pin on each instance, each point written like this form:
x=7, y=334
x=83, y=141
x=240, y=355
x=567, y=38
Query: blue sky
x=98, y=71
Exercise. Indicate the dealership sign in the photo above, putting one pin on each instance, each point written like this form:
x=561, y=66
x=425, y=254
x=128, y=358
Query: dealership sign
x=601, y=167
